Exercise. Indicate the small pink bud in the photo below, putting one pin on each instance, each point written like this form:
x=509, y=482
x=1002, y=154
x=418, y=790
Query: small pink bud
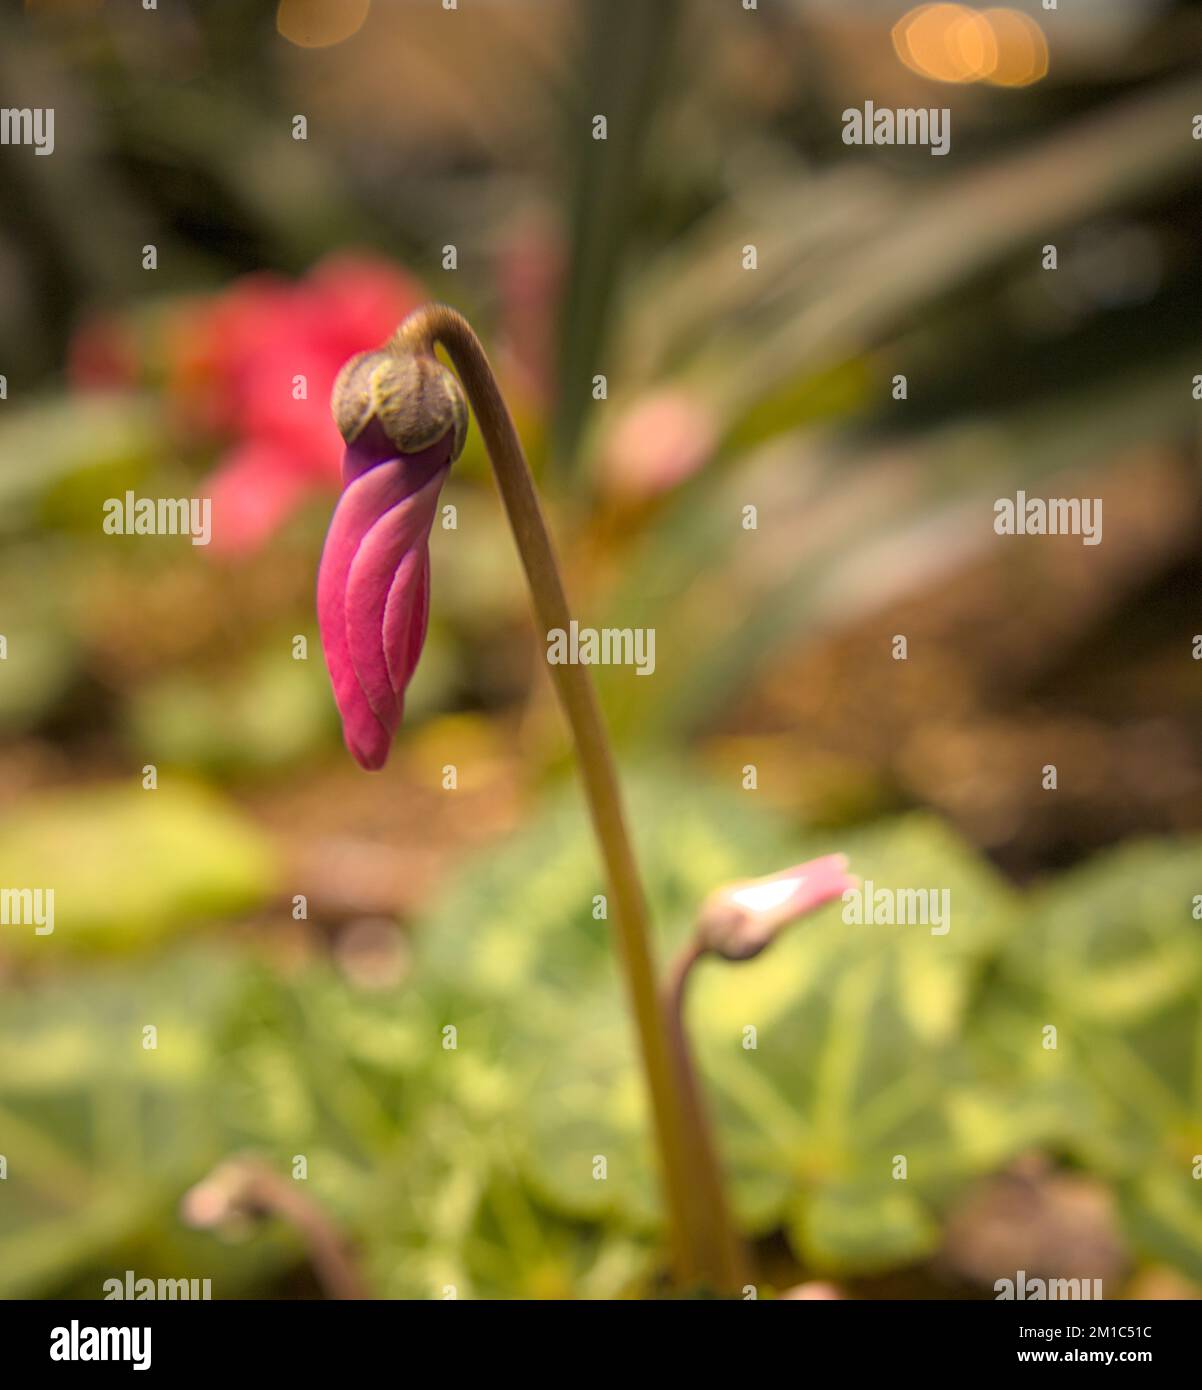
x=738, y=920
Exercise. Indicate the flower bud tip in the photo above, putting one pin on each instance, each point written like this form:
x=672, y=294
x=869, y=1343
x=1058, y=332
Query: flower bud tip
x=413, y=397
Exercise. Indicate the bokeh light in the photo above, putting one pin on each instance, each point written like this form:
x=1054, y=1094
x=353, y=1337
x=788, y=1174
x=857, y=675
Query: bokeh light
x=954, y=43
x=1022, y=48
x=320, y=23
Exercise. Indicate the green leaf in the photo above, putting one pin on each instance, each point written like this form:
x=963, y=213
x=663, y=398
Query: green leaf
x=871, y=1227
x=268, y=715
x=857, y=1030
x=128, y=866
x=1162, y=1210
x=625, y=44
x=87, y=448
x=101, y=1132
x=1110, y=957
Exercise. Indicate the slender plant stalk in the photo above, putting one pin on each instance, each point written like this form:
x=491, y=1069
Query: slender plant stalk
x=730, y=1254
x=705, y=1250
x=248, y=1186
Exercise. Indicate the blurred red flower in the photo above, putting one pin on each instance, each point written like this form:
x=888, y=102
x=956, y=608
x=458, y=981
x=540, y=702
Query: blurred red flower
x=253, y=366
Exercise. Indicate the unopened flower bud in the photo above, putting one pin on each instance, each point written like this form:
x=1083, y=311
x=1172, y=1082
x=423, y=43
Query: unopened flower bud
x=738, y=920
x=403, y=416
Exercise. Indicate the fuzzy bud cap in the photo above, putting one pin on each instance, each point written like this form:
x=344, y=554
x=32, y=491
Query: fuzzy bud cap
x=414, y=399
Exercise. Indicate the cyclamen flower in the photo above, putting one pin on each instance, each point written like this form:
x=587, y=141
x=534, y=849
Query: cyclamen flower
x=404, y=419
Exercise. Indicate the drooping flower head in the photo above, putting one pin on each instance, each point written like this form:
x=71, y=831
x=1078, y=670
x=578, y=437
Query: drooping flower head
x=403, y=417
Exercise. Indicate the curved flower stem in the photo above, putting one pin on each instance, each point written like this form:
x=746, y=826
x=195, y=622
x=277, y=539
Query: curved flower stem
x=248, y=1186
x=731, y=1253
x=705, y=1250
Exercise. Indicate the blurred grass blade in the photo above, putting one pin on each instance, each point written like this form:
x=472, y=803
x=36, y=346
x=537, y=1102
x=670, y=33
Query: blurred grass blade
x=625, y=46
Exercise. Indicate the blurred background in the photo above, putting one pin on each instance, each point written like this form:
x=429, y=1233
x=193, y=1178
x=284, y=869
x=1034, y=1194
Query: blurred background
x=301, y=934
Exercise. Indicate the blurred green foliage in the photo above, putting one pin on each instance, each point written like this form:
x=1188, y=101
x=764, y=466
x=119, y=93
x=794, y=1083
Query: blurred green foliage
x=128, y=865
x=471, y=1165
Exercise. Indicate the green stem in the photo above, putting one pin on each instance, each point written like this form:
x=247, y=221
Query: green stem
x=700, y=1235
x=728, y=1254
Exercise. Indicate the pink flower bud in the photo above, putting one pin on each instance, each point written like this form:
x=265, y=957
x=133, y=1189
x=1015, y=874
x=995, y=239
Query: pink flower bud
x=404, y=419
x=738, y=920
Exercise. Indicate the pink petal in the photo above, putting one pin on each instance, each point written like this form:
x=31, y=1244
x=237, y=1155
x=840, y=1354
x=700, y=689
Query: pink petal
x=360, y=506
x=816, y=882
x=406, y=617
x=385, y=574
x=373, y=587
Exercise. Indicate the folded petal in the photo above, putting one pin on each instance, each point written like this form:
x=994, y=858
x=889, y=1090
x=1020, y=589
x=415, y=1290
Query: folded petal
x=406, y=617
x=386, y=572
x=358, y=509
